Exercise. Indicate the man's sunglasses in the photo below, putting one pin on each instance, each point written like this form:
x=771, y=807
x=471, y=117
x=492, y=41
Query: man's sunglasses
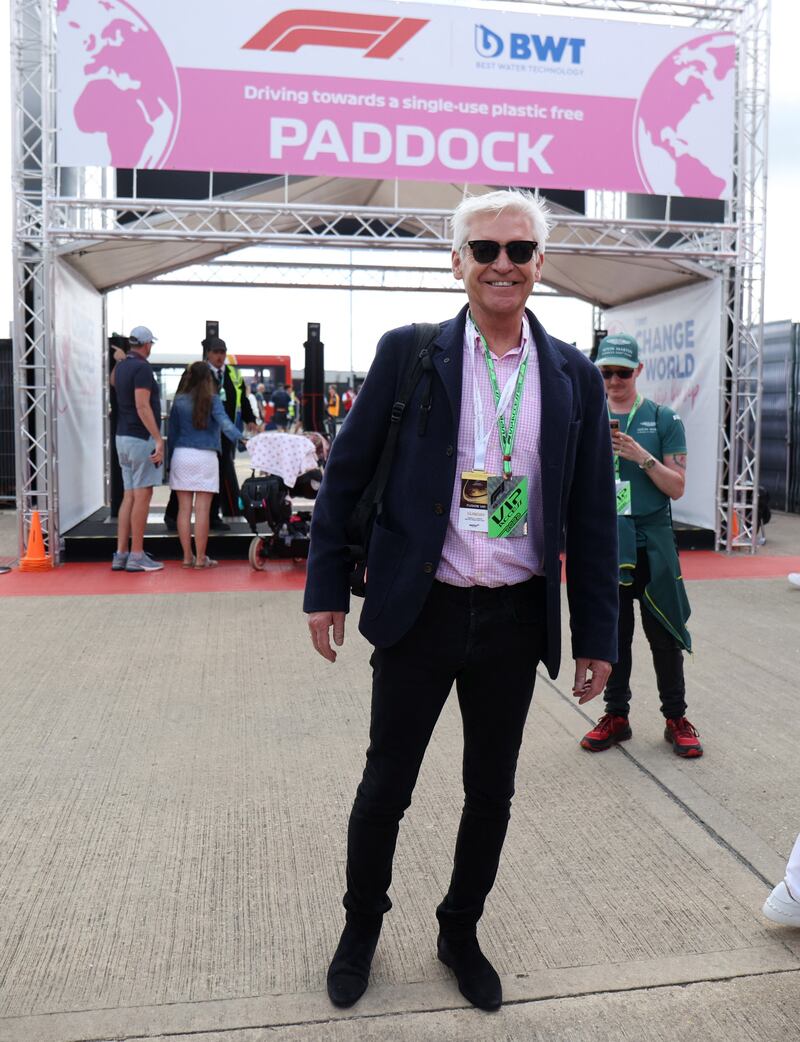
x=623, y=374
x=486, y=251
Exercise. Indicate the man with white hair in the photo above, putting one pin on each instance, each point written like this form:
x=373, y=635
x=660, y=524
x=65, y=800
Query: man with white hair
x=503, y=451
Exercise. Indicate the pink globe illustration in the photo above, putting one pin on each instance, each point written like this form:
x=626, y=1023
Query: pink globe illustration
x=124, y=84
x=682, y=126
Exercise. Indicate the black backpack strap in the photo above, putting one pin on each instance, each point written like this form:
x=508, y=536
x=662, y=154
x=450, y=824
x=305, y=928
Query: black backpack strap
x=418, y=361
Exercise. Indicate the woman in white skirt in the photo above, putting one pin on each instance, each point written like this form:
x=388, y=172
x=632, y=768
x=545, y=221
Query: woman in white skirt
x=196, y=420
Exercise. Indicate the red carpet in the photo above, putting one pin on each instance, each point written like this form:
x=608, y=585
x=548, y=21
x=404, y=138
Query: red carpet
x=97, y=579
x=706, y=564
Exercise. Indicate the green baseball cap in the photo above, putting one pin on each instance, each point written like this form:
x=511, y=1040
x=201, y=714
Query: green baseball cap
x=618, y=349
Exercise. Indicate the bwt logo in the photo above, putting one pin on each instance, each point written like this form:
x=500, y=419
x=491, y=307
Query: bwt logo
x=378, y=36
x=526, y=46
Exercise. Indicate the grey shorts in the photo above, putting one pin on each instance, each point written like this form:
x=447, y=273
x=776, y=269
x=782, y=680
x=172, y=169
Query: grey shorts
x=138, y=471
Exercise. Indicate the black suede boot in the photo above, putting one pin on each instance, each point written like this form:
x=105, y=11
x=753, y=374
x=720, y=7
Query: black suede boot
x=348, y=973
x=477, y=979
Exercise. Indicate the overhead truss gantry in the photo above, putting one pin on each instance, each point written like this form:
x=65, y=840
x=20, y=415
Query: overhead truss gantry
x=51, y=220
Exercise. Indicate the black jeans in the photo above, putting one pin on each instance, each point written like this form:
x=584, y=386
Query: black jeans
x=489, y=641
x=665, y=649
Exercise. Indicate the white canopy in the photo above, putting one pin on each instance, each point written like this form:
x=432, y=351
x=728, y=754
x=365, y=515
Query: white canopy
x=606, y=263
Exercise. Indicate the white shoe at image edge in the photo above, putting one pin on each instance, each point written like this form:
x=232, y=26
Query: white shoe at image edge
x=794, y=578
x=781, y=907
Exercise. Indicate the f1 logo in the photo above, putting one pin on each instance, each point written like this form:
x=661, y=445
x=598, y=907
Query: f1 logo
x=378, y=36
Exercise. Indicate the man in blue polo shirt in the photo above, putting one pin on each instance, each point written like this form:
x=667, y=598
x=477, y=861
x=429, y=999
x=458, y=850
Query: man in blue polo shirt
x=140, y=449
x=649, y=443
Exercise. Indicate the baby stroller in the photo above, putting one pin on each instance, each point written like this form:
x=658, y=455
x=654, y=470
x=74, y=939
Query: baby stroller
x=290, y=468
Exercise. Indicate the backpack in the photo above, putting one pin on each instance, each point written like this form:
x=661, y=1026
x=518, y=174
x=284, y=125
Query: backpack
x=265, y=501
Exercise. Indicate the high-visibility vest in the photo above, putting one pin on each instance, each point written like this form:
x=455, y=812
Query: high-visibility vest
x=238, y=382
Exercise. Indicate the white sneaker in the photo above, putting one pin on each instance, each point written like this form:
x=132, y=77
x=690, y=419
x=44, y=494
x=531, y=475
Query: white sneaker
x=781, y=907
x=794, y=578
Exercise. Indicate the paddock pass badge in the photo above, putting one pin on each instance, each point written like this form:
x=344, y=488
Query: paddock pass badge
x=508, y=507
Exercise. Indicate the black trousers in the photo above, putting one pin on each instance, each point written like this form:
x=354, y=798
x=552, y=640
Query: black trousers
x=489, y=642
x=665, y=649
x=227, y=502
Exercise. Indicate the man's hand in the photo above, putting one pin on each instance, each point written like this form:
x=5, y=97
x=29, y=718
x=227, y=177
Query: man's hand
x=253, y=428
x=157, y=455
x=628, y=448
x=319, y=625
x=586, y=688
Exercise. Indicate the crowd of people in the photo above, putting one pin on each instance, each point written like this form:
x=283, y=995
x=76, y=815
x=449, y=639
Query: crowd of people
x=213, y=410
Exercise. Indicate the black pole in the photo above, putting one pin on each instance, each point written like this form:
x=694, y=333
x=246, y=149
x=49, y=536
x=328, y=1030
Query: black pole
x=599, y=334
x=314, y=382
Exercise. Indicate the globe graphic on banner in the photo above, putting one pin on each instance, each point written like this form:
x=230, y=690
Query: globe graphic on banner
x=124, y=89
x=682, y=126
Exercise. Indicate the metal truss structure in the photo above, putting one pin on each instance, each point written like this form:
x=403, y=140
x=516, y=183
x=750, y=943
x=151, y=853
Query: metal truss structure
x=243, y=224
x=61, y=212
x=305, y=275
x=33, y=172
x=740, y=427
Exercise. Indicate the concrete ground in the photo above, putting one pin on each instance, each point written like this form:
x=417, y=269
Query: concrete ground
x=176, y=772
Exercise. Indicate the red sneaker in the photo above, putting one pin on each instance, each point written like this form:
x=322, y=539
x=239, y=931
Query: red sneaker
x=607, y=732
x=684, y=738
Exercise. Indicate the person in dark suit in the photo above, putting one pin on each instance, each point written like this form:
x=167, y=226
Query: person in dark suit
x=231, y=389
x=463, y=569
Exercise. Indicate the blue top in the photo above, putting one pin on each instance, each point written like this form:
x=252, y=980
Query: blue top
x=182, y=433
x=131, y=373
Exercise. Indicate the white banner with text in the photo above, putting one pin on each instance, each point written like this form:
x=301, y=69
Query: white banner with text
x=680, y=347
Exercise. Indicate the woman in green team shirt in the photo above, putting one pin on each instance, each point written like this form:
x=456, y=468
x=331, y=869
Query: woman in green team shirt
x=649, y=444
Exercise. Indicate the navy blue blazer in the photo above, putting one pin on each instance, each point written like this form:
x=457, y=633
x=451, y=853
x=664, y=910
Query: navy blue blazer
x=579, y=502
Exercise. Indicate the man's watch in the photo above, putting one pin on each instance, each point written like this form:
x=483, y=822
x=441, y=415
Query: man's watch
x=648, y=464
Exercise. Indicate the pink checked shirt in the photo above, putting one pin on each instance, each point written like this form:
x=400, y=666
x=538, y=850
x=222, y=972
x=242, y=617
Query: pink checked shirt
x=472, y=558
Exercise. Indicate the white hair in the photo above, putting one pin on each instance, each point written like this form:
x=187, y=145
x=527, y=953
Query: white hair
x=528, y=203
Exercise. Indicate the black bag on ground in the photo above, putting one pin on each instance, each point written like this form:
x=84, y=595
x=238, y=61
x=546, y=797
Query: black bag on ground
x=360, y=522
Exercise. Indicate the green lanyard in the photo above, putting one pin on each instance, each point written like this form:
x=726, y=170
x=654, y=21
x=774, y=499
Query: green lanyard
x=507, y=434
x=628, y=423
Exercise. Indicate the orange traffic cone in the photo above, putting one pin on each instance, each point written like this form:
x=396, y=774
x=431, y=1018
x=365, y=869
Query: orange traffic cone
x=35, y=559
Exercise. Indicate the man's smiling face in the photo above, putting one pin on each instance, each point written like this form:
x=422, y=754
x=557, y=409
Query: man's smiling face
x=499, y=289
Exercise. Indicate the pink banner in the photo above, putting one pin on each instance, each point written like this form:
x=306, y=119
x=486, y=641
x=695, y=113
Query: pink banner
x=235, y=121
x=372, y=88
